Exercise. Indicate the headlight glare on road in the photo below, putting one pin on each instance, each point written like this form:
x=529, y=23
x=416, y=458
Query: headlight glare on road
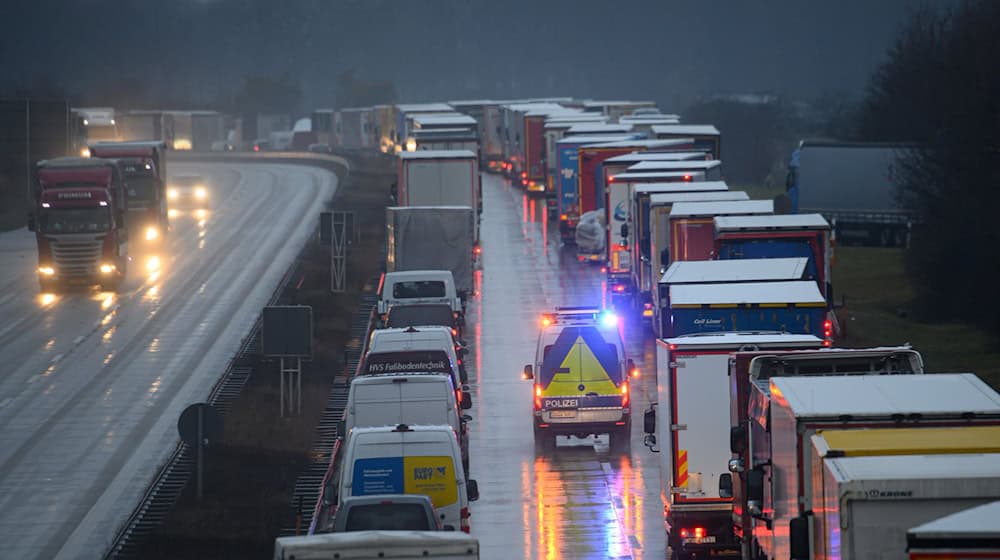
x=46, y=270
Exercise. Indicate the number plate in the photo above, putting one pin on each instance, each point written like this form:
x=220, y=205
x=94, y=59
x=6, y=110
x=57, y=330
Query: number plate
x=699, y=540
x=563, y=413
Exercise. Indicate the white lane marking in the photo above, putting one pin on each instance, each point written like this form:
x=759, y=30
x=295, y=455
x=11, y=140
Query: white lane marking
x=619, y=515
x=78, y=340
x=5, y=402
x=32, y=379
x=56, y=358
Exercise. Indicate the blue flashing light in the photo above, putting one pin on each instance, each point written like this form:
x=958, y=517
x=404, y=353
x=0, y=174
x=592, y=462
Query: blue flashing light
x=609, y=319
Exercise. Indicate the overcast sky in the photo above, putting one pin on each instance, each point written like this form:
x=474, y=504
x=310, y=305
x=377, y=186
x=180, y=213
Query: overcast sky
x=669, y=51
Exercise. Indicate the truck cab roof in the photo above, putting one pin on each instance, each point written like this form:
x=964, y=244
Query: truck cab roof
x=799, y=293
x=766, y=223
x=739, y=339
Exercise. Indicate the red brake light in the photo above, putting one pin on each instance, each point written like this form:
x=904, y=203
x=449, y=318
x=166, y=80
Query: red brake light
x=604, y=269
x=672, y=347
x=687, y=177
x=611, y=179
x=619, y=287
x=524, y=174
x=538, y=397
x=625, y=395
x=563, y=217
x=464, y=515
x=256, y=148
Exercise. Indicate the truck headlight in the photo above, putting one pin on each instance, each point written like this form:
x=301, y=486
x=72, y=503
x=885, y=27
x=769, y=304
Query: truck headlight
x=107, y=268
x=200, y=192
x=152, y=233
x=172, y=193
x=46, y=270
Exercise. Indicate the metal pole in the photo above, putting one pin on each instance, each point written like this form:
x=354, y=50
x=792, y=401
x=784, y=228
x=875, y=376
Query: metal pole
x=298, y=379
x=201, y=444
x=282, y=387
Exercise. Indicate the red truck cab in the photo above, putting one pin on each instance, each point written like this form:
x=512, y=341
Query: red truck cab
x=80, y=224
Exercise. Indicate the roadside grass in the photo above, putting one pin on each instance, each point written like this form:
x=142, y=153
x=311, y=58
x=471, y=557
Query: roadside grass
x=878, y=311
x=760, y=192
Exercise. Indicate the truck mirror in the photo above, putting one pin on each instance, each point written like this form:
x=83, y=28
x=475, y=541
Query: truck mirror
x=463, y=375
x=649, y=440
x=341, y=428
x=472, y=489
x=737, y=439
x=462, y=352
x=725, y=485
x=330, y=494
x=755, y=485
x=528, y=373
x=31, y=221
x=649, y=421
x=799, y=538
x=466, y=400
x=736, y=466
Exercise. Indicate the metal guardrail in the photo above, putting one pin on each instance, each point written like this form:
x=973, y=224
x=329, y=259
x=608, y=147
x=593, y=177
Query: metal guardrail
x=168, y=484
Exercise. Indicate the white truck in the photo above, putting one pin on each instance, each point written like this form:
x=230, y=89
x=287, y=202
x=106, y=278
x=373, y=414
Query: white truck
x=432, y=238
x=786, y=411
x=864, y=506
x=440, y=178
x=690, y=425
x=400, y=545
x=971, y=533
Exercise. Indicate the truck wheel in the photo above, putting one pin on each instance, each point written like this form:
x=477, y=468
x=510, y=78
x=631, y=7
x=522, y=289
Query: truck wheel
x=621, y=440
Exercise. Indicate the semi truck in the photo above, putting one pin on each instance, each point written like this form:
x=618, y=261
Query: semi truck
x=711, y=168
x=690, y=431
x=970, y=533
x=785, y=412
x=432, y=238
x=706, y=136
x=786, y=235
x=591, y=182
x=143, y=166
x=440, y=178
x=80, y=222
x=692, y=226
x=92, y=124
x=854, y=185
x=747, y=368
x=567, y=195
x=865, y=505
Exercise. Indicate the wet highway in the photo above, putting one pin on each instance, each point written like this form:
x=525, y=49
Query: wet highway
x=580, y=501
x=92, y=383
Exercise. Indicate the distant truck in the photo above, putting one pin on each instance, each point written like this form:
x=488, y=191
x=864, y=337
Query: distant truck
x=854, y=185
x=432, y=238
x=692, y=226
x=786, y=411
x=439, y=178
x=80, y=222
x=398, y=545
x=143, y=166
x=691, y=432
x=92, y=124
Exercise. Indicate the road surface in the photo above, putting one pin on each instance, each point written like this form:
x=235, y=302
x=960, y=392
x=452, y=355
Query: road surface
x=580, y=502
x=92, y=383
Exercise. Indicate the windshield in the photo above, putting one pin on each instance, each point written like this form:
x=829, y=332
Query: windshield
x=387, y=517
x=418, y=289
x=75, y=220
x=101, y=132
x=141, y=188
x=412, y=315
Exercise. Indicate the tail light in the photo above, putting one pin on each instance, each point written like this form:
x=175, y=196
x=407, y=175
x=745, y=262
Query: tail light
x=538, y=397
x=464, y=514
x=563, y=217
x=625, y=395
x=695, y=532
x=477, y=250
x=619, y=288
x=687, y=178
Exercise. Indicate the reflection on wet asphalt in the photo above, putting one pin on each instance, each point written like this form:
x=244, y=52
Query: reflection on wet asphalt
x=580, y=501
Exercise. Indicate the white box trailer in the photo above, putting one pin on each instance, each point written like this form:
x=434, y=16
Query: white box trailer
x=971, y=533
x=692, y=431
x=865, y=505
x=432, y=238
x=787, y=411
x=439, y=178
x=400, y=545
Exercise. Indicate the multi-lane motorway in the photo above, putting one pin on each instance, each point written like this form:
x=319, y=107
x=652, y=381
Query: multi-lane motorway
x=92, y=383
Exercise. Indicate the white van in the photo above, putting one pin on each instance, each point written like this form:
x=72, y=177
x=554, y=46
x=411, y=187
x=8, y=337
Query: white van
x=428, y=349
x=418, y=398
x=418, y=286
x=409, y=460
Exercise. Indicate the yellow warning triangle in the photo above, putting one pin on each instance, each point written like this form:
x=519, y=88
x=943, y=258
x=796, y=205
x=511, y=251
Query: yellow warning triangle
x=581, y=366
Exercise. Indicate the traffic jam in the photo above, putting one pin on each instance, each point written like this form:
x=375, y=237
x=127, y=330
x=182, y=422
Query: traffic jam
x=675, y=312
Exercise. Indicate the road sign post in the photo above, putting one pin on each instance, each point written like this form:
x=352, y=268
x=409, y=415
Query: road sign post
x=200, y=425
x=286, y=334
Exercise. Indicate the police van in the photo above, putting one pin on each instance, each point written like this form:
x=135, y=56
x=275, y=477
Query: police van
x=581, y=378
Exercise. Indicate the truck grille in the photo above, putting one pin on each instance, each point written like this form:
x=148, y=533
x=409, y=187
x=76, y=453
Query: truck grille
x=76, y=255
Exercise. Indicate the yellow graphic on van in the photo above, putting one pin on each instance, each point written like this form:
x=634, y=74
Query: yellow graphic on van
x=433, y=477
x=589, y=365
